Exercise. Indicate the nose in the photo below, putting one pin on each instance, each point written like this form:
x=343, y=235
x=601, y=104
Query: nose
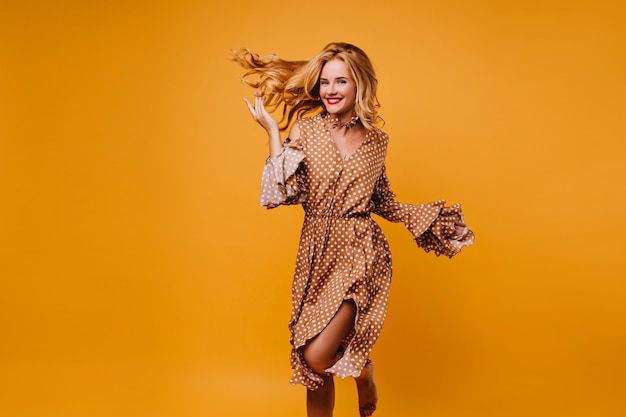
x=332, y=88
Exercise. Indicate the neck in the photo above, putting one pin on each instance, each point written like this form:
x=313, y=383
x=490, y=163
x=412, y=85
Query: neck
x=337, y=120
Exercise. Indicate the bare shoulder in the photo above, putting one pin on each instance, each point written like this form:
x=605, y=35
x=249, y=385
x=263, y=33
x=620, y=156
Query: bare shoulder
x=294, y=132
x=302, y=127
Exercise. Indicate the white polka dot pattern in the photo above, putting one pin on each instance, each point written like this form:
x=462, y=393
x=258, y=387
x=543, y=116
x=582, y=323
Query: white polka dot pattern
x=343, y=253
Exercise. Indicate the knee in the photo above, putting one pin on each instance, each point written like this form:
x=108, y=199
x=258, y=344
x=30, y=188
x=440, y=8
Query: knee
x=314, y=360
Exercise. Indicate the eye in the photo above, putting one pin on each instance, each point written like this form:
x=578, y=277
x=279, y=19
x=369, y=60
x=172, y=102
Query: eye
x=323, y=82
x=343, y=81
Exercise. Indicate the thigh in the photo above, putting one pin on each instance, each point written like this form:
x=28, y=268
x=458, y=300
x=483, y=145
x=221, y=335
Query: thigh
x=325, y=345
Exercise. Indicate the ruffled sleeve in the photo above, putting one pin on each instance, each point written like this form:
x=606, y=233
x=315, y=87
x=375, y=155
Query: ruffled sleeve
x=283, y=176
x=431, y=224
x=440, y=235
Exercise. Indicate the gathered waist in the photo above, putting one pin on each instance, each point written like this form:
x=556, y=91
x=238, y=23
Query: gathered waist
x=314, y=215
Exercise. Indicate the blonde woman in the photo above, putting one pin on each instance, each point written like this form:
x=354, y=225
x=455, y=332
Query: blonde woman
x=333, y=164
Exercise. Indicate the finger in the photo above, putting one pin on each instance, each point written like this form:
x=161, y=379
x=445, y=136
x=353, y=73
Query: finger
x=260, y=107
x=250, y=108
x=261, y=102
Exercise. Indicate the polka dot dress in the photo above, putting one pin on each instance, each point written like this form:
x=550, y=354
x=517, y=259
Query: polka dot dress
x=343, y=254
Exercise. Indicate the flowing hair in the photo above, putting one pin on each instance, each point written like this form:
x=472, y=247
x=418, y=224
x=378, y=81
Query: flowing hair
x=294, y=85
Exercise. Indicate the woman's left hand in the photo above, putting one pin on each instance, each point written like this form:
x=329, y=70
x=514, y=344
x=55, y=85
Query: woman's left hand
x=460, y=230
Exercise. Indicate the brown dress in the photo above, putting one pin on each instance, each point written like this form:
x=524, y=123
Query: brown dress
x=343, y=253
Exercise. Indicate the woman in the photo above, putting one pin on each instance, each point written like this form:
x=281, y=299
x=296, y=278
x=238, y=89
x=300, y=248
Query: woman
x=333, y=163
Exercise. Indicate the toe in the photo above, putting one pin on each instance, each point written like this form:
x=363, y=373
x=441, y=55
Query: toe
x=367, y=410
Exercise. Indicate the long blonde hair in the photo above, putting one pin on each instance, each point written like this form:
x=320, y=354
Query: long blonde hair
x=294, y=85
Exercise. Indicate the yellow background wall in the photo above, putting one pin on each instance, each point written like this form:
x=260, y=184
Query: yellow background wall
x=139, y=277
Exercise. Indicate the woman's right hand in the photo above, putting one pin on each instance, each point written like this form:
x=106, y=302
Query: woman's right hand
x=260, y=114
x=262, y=117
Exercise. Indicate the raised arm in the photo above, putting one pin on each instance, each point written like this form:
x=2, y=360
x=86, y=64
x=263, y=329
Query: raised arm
x=267, y=122
x=283, y=174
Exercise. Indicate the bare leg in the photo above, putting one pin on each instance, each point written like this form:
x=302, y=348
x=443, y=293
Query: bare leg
x=325, y=349
x=322, y=352
x=366, y=387
x=320, y=403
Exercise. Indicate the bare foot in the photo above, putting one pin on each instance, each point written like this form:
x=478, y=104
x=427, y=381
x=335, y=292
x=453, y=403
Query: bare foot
x=366, y=387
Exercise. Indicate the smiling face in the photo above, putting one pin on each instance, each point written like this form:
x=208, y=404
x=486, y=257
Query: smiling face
x=338, y=89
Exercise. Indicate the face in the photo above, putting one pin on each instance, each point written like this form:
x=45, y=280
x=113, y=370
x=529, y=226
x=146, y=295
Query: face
x=337, y=88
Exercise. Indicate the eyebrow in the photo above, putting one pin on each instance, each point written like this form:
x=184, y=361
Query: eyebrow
x=337, y=78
